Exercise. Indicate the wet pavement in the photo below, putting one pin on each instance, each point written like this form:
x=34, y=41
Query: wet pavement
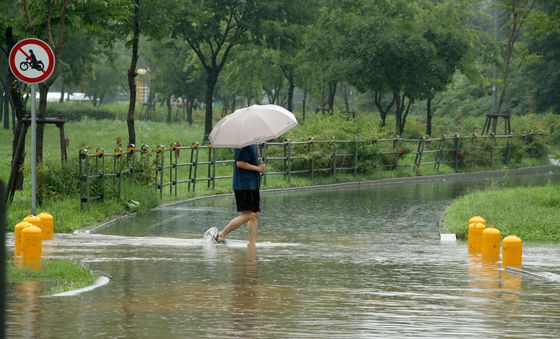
x=345, y=261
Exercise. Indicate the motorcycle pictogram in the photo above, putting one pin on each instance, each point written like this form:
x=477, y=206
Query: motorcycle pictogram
x=31, y=61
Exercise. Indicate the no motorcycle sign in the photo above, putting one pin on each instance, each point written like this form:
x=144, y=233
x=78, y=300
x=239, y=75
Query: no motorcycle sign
x=32, y=60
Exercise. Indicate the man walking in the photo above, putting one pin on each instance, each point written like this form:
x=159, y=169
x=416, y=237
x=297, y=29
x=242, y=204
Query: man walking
x=246, y=186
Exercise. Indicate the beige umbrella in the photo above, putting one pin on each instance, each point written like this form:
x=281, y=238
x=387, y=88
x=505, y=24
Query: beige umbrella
x=252, y=125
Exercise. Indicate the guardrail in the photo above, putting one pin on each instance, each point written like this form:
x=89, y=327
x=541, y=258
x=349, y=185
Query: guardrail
x=101, y=173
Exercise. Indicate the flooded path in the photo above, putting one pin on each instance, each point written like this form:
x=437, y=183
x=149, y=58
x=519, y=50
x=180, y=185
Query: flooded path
x=343, y=262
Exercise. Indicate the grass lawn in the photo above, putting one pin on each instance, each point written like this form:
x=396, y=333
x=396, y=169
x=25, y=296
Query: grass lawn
x=531, y=213
x=55, y=275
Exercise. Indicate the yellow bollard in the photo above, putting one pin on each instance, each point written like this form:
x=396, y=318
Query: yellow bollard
x=490, y=244
x=17, y=237
x=47, y=225
x=33, y=219
x=32, y=246
x=470, y=237
x=511, y=252
x=477, y=237
x=477, y=218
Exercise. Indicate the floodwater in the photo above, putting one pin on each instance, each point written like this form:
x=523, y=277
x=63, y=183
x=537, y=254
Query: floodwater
x=347, y=262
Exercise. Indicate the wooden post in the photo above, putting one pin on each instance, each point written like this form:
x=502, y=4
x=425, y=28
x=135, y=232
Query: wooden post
x=59, y=122
x=311, y=148
x=17, y=160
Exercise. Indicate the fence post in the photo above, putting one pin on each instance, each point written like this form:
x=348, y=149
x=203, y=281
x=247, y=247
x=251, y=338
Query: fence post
x=118, y=162
x=264, y=157
x=285, y=157
x=396, y=145
x=130, y=159
x=99, y=152
x=160, y=161
x=144, y=157
x=508, y=148
x=355, y=158
x=175, y=153
x=84, y=177
x=439, y=153
x=333, y=142
x=474, y=147
x=456, y=149
x=419, y=152
x=289, y=156
x=211, y=166
x=310, y=150
x=172, y=164
x=194, y=145
x=191, y=162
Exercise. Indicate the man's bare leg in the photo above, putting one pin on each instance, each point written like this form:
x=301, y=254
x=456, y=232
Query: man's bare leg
x=234, y=224
x=252, y=226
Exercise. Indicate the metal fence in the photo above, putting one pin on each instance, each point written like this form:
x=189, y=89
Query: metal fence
x=167, y=168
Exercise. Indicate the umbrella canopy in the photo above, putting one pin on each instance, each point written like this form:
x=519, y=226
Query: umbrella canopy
x=252, y=125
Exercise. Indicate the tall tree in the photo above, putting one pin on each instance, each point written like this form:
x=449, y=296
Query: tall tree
x=285, y=32
x=148, y=18
x=443, y=26
x=545, y=41
x=212, y=28
x=326, y=57
x=131, y=74
x=517, y=11
x=175, y=78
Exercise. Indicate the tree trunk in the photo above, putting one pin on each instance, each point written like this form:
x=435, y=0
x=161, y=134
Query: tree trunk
x=4, y=113
x=132, y=74
x=383, y=111
x=398, y=112
x=345, y=98
x=14, y=113
x=169, y=109
x=429, y=117
x=405, y=112
x=330, y=98
x=212, y=78
x=190, y=104
x=304, y=101
x=61, y=100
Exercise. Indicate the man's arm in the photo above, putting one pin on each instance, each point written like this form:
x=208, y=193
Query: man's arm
x=247, y=166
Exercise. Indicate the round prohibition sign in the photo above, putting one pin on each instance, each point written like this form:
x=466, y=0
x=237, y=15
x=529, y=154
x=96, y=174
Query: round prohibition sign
x=31, y=60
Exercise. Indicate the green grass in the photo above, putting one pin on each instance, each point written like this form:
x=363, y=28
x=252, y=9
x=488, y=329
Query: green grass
x=531, y=213
x=55, y=275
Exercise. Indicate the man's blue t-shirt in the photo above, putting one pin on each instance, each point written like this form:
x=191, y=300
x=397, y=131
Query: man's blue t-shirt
x=244, y=179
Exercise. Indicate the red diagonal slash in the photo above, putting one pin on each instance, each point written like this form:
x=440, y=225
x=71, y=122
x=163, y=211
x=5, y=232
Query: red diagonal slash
x=29, y=58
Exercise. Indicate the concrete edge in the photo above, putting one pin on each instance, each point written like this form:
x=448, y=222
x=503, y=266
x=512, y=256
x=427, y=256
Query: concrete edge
x=387, y=182
x=101, y=281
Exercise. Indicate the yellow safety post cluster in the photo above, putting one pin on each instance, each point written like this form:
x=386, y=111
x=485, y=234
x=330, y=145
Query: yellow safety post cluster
x=28, y=238
x=486, y=241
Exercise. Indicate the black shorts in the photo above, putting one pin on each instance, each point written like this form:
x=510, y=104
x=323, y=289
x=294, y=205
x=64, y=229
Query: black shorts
x=248, y=200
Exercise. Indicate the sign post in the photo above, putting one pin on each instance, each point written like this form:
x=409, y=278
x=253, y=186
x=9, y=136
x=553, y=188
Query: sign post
x=32, y=61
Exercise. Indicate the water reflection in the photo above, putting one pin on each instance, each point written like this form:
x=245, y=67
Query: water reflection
x=245, y=306
x=355, y=262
